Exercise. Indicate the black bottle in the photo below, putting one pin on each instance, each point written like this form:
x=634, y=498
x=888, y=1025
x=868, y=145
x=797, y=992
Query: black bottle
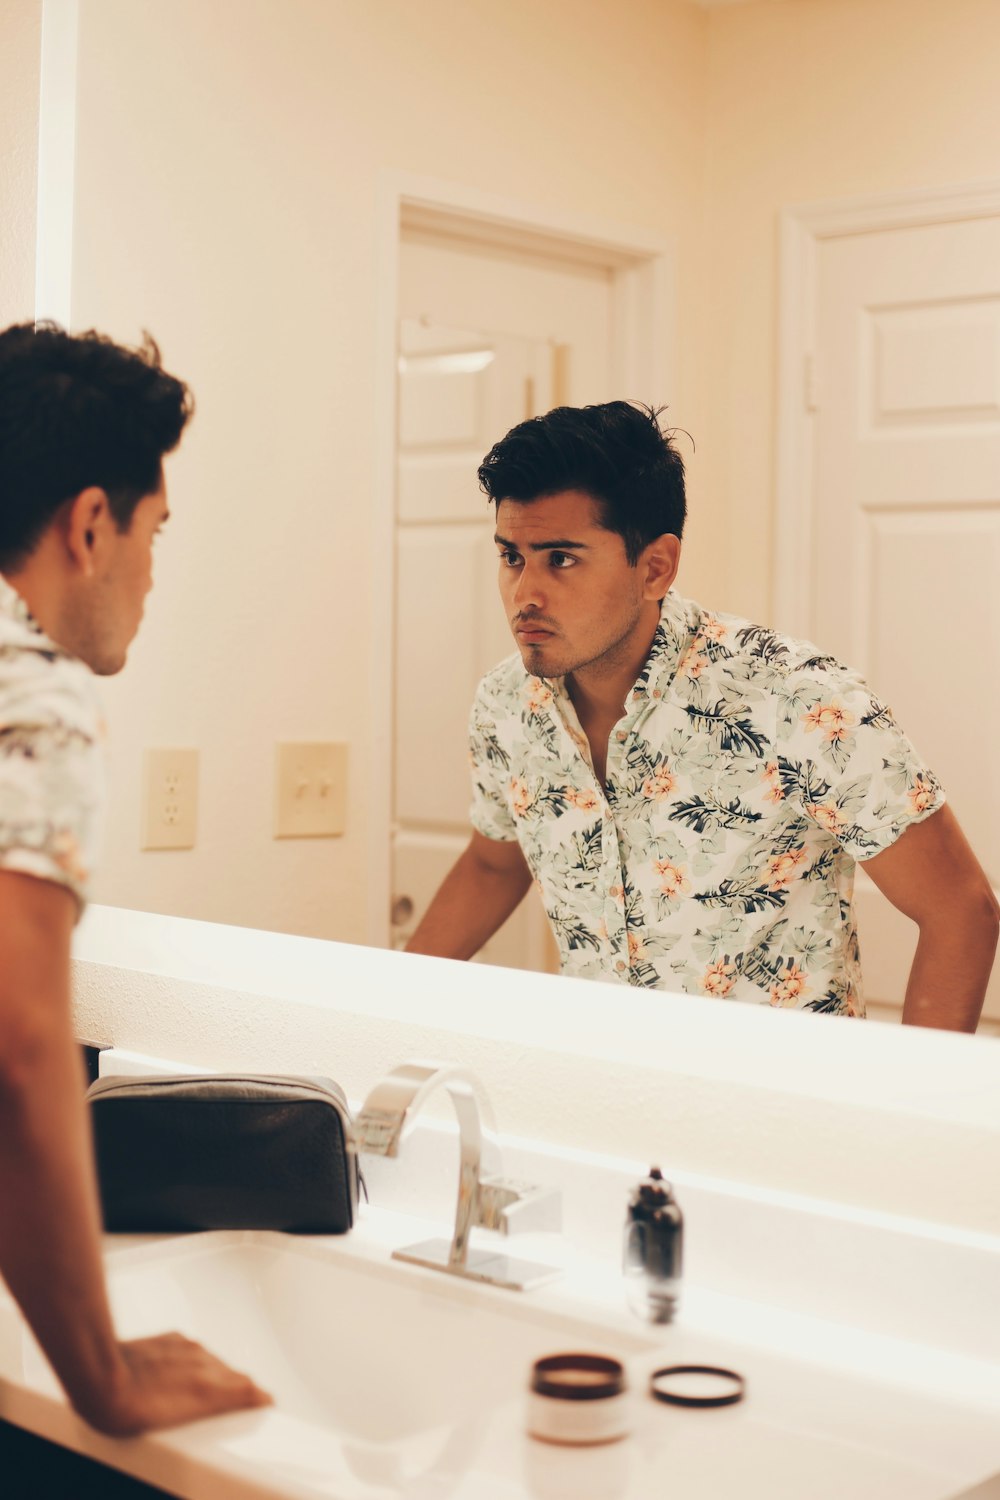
x=653, y=1249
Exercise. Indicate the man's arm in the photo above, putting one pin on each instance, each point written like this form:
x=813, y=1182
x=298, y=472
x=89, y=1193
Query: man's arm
x=476, y=897
x=931, y=874
x=49, y=1215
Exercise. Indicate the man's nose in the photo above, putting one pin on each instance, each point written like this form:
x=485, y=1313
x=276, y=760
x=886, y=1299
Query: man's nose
x=529, y=591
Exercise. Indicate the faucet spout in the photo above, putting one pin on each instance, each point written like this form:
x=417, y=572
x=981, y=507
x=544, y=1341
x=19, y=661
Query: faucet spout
x=389, y=1112
x=495, y=1203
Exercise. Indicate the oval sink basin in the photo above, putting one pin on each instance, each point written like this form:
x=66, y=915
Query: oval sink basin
x=393, y=1381
x=371, y=1350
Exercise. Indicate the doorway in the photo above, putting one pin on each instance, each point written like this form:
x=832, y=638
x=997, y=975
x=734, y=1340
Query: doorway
x=498, y=315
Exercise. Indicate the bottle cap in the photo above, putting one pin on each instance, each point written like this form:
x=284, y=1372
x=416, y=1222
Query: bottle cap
x=697, y=1385
x=578, y=1377
x=653, y=1192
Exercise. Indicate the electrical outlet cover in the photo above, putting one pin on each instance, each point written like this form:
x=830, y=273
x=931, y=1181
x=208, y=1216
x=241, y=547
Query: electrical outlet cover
x=170, y=799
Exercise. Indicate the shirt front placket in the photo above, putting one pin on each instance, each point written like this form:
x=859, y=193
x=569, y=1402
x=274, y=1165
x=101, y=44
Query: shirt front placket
x=638, y=705
x=609, y=896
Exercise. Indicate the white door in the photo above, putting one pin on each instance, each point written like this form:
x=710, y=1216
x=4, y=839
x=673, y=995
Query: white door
x=906, y=526
x=486, y=339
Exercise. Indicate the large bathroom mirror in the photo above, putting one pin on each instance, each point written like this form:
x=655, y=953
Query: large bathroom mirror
x=373, y=237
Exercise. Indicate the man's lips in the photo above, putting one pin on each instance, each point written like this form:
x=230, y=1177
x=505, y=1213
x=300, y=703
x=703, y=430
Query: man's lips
x=532, y=632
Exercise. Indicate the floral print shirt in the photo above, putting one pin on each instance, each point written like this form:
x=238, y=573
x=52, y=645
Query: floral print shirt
x=748, y=775
x=51, y=754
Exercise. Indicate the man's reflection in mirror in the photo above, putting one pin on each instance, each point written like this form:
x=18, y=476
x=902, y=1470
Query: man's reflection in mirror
x=690, y=791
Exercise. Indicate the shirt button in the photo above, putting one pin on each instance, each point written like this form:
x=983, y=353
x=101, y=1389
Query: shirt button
x=620, y=966
x=621, y=736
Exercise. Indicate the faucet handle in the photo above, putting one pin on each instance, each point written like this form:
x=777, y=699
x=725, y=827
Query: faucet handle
x=377, y=1131
x=512, y=1206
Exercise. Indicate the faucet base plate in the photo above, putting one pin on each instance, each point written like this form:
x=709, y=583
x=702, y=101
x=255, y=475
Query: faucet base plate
x=481, y=1265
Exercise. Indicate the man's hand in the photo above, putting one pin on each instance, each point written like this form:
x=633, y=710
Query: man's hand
x=476, y=897
x=932, y=876
x=164, y=1381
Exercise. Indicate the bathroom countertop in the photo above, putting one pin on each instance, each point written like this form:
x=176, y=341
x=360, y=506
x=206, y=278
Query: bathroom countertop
x=830, y=1409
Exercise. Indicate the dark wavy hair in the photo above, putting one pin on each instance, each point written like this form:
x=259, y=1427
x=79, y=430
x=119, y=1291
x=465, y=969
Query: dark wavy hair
x=75, y=411
x=617, y=453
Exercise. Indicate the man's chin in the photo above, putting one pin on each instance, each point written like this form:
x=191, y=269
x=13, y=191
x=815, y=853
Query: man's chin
x=108, y=666
x=541, y=662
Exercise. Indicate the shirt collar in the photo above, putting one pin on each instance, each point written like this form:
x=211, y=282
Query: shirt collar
x=678, y=624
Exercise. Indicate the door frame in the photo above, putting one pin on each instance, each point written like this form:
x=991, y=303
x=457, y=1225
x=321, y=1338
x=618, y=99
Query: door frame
x=643, y=270
x=803, y=227
x=56, y=176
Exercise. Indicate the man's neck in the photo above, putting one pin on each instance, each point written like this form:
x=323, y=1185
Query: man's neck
x=599, y=690
x=34, y=586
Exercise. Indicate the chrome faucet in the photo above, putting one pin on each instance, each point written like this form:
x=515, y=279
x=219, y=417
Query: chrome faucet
x=490, y=1202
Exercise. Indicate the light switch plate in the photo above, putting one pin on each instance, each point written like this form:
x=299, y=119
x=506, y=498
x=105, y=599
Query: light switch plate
x=310, y=795
x=170, y=799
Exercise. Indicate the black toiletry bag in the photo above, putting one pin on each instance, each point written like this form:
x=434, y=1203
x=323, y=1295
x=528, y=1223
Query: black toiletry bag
x=224, y=1151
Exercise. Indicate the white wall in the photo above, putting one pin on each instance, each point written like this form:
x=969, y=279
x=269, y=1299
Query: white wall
x=807, y=102
x=228, y=158
x=20, y=67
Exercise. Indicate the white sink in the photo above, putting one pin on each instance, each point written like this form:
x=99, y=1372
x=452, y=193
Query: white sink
x=393, y=1381
x=361, y=1348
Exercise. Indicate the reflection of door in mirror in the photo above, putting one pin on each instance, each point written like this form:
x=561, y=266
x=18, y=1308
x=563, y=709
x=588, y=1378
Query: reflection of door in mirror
x=906, y=526
x=460, y=388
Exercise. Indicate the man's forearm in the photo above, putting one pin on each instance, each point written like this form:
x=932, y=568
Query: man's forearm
x=49, y=1217
x=471, y=904
x=950, y=971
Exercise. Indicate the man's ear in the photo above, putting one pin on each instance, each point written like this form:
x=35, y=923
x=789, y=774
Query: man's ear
x=88, y=524
x=660, y=561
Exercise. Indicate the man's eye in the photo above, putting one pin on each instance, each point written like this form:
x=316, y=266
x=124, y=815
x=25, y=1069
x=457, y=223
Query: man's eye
x=562, y=559
x=510, y=559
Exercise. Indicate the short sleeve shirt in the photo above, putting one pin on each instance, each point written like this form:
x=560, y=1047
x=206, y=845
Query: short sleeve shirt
x=748, y=775
x=52, y=757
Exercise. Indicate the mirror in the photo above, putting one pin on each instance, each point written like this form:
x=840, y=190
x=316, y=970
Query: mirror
x=236, y=180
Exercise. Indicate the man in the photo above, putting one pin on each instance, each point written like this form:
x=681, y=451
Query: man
x=84, y=426
x=690, y=792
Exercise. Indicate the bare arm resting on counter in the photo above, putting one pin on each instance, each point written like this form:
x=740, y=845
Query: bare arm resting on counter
x=50, y=1222
x=485, y=884
x=932, y=876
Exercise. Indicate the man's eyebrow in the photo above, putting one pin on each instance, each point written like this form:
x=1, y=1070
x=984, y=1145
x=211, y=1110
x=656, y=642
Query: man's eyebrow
x=554, y=546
